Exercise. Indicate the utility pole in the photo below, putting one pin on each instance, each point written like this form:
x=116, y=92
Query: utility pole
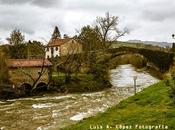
x=173, y=46
x=135, y=85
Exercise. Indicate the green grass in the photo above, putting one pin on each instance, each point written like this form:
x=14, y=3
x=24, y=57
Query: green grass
x=149, y=107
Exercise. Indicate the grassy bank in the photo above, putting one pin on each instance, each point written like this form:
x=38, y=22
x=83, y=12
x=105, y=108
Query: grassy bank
x=149, y=107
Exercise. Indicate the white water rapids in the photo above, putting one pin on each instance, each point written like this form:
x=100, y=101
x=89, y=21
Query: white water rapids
x=57, y=111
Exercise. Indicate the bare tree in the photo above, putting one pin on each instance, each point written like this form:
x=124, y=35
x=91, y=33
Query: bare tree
x=71, y=62
x=35, y=79
x=107, y=28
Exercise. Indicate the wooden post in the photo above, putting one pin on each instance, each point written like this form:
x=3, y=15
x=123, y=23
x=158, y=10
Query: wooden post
x=135, y=85
x=173, y=47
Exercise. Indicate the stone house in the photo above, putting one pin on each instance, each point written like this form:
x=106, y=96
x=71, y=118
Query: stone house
x=24, y=71
x=61, y=47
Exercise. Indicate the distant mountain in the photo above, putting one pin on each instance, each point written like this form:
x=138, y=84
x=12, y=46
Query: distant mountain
x=161, y=44
x=135, y=41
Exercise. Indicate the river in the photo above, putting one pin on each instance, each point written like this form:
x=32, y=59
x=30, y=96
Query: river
x=57, y=111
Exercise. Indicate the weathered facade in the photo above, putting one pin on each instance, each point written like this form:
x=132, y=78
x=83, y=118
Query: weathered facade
x=27, y=71
x=61, y=47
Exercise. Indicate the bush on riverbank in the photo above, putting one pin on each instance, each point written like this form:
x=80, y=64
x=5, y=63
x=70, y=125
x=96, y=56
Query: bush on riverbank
x=86, y=84
x=83, y=82
x=153, y=106
x=4, y=75
x=92, y=74
x=171, y=84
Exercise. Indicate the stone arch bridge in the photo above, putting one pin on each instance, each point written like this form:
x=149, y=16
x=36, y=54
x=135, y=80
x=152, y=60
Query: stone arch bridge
x=162, y=60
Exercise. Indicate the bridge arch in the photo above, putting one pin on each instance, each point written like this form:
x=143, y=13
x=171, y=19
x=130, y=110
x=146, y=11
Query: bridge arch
x=161, y=60
x=135, y=59
x=26, y=88
x=41, y=87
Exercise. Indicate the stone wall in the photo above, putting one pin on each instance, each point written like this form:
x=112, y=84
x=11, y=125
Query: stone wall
x=19, y=76
x=71, y=47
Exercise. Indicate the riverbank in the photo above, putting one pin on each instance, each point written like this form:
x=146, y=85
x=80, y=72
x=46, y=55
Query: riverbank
x=80, y=84
x=60, y=110
x=152, y=106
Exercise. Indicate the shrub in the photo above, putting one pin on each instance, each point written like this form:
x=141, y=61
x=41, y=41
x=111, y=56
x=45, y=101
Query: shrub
x=4, y=77
x=171, y=83
x=172, y=93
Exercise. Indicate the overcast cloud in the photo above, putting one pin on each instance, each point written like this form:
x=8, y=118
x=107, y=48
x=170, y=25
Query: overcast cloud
x=146, y=19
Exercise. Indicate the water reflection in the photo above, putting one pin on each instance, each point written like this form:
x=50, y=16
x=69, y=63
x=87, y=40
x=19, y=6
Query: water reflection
x=123, y=77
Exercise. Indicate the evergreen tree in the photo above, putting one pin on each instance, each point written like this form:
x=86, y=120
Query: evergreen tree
x=173, y=47
x=56, y=33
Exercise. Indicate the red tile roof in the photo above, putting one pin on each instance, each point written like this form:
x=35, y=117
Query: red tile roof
x=28, y=63
x=58, y=42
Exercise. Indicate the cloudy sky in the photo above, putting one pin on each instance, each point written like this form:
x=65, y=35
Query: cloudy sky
x=152, y=20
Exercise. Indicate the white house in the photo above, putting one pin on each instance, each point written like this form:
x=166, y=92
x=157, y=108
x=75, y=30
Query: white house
x=60, y=47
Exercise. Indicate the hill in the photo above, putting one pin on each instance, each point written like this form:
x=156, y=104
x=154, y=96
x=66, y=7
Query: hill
x=138, y=44
x=154, y=43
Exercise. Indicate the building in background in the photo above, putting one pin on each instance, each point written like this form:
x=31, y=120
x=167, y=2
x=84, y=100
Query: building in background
x=61, y=47
x=24, y=71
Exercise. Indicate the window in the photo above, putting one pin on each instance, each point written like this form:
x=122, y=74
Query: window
x=52, y=50
x=56, y=49
x=47, y=49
